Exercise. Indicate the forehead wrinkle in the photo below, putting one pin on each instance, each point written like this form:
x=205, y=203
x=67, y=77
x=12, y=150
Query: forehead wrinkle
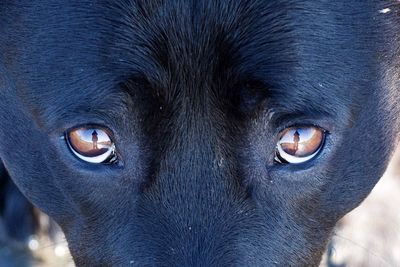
x=161, y=37
x=187, y=49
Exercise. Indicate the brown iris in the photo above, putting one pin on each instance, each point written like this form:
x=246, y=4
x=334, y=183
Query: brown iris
x=91, y=144
x=299, y=144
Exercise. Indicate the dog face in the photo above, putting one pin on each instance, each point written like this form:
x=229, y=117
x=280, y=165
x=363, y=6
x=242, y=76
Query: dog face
x=198, y=133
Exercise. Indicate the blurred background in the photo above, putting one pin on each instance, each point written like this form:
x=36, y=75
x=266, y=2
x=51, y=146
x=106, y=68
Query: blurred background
x=369, y=236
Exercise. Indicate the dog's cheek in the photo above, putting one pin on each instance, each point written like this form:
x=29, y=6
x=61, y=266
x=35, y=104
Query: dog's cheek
x=25, y=150
x=362, y=156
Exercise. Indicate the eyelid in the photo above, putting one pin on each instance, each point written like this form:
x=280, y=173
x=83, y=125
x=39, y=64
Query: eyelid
x=281, y=120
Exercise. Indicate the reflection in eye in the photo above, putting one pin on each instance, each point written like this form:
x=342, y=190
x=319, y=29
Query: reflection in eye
x=299, y=144
x=92, y=144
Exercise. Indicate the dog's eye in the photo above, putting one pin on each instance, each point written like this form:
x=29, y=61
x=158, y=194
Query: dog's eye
x=92, y=144
x=299, y=144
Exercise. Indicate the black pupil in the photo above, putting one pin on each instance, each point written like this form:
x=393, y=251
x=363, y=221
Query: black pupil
x=90, y=142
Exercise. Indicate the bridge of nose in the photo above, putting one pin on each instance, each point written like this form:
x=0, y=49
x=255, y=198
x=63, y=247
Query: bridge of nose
x=194, y=197
x=194, y=200
x=192, y=168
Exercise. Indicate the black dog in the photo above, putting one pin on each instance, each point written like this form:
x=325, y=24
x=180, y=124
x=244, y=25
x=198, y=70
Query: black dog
x=198, y=133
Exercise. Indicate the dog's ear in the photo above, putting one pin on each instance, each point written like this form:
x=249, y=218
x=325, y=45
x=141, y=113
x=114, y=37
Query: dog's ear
x=18, y=216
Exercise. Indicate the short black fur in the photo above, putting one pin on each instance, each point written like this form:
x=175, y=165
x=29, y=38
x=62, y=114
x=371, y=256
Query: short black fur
x=196, y=94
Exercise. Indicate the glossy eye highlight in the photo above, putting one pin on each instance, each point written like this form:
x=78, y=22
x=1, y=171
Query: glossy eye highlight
x=92, y=144
x=299, y=144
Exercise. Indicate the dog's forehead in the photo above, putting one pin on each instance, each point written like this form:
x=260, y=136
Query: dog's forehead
x=301, y=51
